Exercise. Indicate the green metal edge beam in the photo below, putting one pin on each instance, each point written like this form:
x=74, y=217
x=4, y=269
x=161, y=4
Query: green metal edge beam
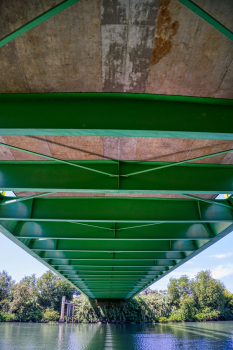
x=49, y=176
x=116, y=114
x=116, y=210
x=36, y=21
x=9, y=235
x=208, y=18
x=222, y=234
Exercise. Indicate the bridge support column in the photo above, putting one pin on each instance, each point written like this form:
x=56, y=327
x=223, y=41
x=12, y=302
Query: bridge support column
x=73, y=313
x=62, y=319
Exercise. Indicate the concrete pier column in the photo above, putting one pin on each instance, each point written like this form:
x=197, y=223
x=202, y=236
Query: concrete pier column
x=61, y=319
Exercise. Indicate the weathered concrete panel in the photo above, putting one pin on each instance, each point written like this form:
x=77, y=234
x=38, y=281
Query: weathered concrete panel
x=114, y=12
x=114, y=51
x=127, y=29
x=190, y=57
x=14, y=14
x=62, y=53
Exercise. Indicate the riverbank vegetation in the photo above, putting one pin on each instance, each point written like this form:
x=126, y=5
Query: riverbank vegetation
x=39, y=300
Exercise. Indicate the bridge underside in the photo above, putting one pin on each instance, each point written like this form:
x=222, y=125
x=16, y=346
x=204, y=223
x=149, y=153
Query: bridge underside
x=114, y=247
x=115, y=175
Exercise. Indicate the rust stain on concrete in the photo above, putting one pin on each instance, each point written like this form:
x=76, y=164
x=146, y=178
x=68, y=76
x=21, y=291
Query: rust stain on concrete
x=166, y=29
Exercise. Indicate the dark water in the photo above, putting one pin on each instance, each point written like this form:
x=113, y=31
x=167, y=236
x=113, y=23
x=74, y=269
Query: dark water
x=211, y=335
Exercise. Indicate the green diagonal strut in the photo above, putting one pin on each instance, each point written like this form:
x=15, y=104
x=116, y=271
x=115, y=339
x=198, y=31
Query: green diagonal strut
x=37, y=20
x=203, y=14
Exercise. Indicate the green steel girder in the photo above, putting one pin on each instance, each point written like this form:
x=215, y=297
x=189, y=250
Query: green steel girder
x=36, y=21
x=50, y=176
x=204, y=15
x=112, y=264
x=68, y=231
x=87, y=269
x=110, y=246
x=83, y=269
x=116, y=114
x=114, y=259
x=116, y=210
x=82, y=274
x=103, y=257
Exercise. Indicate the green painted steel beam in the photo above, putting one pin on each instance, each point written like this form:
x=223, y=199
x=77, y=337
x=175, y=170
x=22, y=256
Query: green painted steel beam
x=82, y=274
x=116, y=114
x=112, y=209
x=208, y=18
x=110, y=258
x=87, y=269
x=36, y=21
x=68, y=231
x=48, y=176
x=111, y=246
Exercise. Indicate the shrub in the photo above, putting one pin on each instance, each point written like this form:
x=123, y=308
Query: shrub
x=176, y=316
x=7, y=317
x=50, y=315
x=201, y=317
x=163, y=320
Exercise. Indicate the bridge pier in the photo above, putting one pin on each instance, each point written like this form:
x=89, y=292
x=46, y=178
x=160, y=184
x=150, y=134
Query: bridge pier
x=68, y=311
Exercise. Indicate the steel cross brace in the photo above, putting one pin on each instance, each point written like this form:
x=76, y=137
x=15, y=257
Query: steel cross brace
x=208, y=18
x=37, y=20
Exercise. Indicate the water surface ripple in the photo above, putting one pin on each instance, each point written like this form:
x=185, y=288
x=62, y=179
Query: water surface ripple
x=182, y=336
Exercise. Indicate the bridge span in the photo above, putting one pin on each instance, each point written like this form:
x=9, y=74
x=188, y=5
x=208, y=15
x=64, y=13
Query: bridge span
x=116, y=124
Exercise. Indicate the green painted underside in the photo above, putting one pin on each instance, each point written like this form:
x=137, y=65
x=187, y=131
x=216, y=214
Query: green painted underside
x=114, y=247
x=116, y=114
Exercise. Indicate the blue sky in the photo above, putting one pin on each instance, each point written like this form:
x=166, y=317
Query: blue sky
x=218, y=258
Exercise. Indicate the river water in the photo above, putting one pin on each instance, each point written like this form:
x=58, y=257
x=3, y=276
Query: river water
x=185, y=336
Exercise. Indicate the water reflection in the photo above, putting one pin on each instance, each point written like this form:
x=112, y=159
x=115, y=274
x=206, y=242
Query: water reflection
x=186, y=336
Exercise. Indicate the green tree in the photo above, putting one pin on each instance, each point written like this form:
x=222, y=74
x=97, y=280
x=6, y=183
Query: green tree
x=51, y=289
x=31, y=281
x=6, y=285
x=179, y=288
x=187, y=308
x=209, y=292
x=24, y=304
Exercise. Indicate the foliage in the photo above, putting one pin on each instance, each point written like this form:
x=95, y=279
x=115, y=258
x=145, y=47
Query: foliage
x=7, y=317
x=163, y=320
x=39, y=300
x=208, y=292
x=24, y=304
x=176, y=316
x=187, y=308
x=28, y=300
x=51, y=288
x=143, y=308
x=50, y=315
x=6, y=285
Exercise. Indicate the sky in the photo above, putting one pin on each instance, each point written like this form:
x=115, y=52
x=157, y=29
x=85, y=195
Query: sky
x=218, y=259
